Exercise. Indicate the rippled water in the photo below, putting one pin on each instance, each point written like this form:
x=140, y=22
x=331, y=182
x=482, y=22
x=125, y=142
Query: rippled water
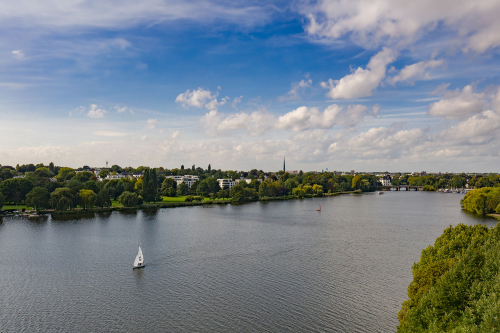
x=259, y=267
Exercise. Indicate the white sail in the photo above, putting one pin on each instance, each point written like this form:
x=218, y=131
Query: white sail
x=139, y=259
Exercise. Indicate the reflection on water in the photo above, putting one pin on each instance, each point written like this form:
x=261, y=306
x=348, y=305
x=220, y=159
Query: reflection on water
x=257, y=267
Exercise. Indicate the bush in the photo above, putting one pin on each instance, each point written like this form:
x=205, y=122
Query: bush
x=429, y=188
x=189, y=198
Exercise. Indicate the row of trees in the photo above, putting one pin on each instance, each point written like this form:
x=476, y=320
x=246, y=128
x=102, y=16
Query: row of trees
x=448, y=180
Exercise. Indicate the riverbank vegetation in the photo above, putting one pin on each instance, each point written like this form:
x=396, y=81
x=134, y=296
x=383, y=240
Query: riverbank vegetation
x=456, y=284
x=61, y=188
x=447, y=180
x=482, y=201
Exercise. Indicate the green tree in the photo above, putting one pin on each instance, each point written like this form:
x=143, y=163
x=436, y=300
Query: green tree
x=237, y=193
x=83, y=176
x=356, y=182
x=149, y=191
x=298, y=192
x=222, y=194
x=104, y=173
x=2, y=200
x=168, y=183
x=128, y=199
x=43, y=173
x=38, y=198
x=58, y=194
x=290, y=184
x=65, y=174
x=6, y=174
x=103, y=198
x=182, y=189
x=15, y=190
x=63, y=204
x=92, y=185
x=203, y=189
x=88, y=198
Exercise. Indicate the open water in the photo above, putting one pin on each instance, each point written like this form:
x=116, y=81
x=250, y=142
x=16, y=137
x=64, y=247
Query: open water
x=257, y=267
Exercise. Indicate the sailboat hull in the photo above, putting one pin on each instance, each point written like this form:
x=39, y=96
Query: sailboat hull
x=142, y=266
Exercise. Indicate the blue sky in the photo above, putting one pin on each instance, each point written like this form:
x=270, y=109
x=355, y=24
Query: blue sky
x=365, y=85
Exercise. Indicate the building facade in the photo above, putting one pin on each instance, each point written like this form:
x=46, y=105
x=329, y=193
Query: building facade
x=188, y=179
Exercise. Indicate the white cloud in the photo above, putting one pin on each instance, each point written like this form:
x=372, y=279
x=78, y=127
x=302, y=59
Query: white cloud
x=362, y=82
x=104, y=14
x=109, y=133
x=458, y=104
x=18, y=54
x=305, y=118
x=298, y=120
x=415, y=71
x=236, y=101
x=151, y=123
x=144, y=137
x=200, y=98
x=371, y=23
x=121, y=109
x=293, y=94
x=496, y=101
x=175, y=135
x=78, y=110
x=255, y=123
x=479, y=129
x=95, y=112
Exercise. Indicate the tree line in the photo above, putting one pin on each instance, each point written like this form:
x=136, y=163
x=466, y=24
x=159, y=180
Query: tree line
x=63, y=188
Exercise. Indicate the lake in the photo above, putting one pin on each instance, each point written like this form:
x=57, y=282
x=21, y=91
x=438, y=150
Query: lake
x=257, y=267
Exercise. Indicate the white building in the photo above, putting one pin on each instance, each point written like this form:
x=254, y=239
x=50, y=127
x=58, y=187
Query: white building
x=226, y=183
x=386, y=180
x=248, y=181
x=117, y=176
x=188, y=179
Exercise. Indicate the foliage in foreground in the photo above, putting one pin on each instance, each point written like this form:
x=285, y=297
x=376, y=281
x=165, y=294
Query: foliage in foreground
x=482, y=201
x=456, y=284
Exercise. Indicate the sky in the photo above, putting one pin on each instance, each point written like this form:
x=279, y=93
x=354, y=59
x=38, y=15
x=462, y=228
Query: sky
x=366, y=85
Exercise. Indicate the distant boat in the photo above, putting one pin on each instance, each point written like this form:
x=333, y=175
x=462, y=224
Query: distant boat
x=139, y=259
x=380, y=192
x=319, y=209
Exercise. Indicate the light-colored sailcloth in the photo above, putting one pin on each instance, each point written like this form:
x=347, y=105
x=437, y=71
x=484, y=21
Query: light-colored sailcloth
x=139, y=259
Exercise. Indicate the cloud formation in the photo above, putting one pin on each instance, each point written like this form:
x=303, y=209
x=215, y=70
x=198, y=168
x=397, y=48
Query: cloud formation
x=95, y=112
x=293, y=94
x=298, y=120
x=361, y=82
x=458, y=104
x=104, y=14
x=371, y=23
x=200, y=98
x=415, y=72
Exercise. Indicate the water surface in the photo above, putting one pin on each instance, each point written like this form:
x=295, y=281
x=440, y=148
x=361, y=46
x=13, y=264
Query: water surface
x=258, y=267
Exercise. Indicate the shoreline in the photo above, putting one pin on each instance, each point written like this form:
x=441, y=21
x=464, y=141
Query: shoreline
x=160, y=205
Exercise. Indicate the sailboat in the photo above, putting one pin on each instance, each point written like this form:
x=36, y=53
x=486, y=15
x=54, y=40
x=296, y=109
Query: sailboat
x=139, y=259
x=319, y=209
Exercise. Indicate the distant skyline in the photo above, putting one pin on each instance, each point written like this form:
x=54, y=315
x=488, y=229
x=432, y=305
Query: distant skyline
x=363, y=85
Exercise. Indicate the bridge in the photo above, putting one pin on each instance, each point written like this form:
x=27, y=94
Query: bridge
x=406, y=187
